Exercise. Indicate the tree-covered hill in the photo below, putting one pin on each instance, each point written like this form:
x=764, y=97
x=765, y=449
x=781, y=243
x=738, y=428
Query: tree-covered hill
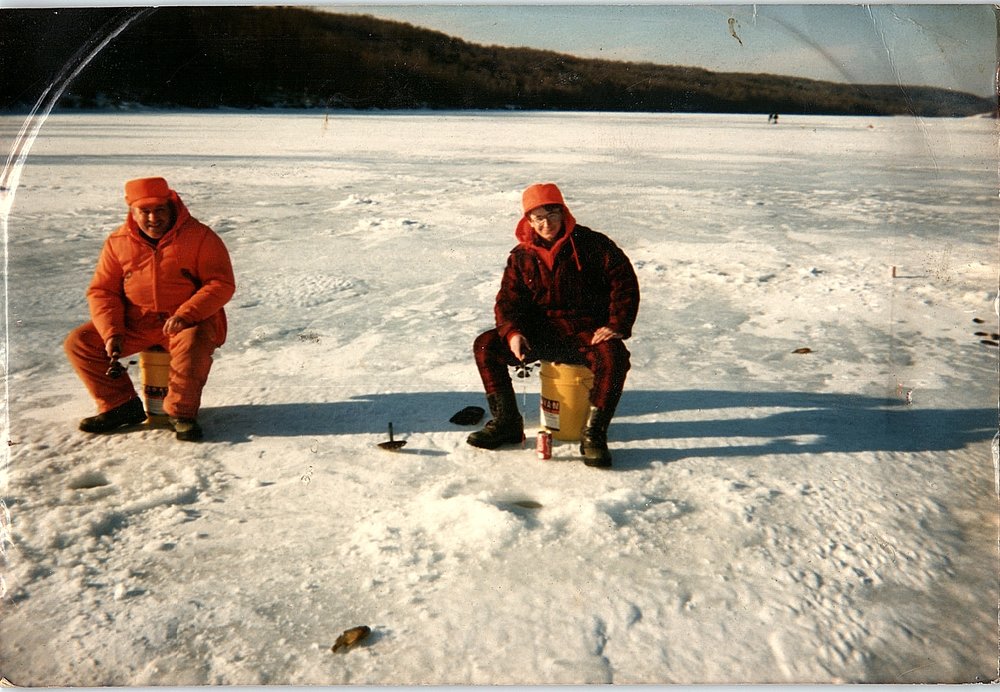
x=250, y=57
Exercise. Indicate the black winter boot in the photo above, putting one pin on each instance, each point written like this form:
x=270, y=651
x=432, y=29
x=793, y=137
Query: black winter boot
x=594, y=440
x=507, y=426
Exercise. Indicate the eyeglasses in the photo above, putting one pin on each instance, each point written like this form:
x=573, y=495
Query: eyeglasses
x=552, y=217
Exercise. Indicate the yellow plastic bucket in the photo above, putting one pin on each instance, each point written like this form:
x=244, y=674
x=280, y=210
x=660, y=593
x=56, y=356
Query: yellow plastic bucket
x=154, y=365
x=565, y=399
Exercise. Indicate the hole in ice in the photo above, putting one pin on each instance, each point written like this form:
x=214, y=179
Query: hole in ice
x=88, y=480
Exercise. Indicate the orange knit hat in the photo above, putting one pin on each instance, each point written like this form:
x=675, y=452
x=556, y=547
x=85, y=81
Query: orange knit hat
x=146, y=191
x=540, y=194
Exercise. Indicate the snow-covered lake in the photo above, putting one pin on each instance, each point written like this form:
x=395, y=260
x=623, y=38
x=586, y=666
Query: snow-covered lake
x=772, y=516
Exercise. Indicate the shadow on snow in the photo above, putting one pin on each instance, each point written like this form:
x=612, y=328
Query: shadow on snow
x=770, y=422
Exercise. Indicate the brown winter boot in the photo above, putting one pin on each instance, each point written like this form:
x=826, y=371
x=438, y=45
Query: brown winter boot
x=594, y=440
x=128, y=414
x=187, y=429
x=507, y=426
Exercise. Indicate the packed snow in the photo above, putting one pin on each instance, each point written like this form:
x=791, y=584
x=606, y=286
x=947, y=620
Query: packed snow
x=804, y=476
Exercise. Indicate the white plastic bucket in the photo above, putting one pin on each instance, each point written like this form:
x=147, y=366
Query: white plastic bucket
x=154, y=365
x=565, y=399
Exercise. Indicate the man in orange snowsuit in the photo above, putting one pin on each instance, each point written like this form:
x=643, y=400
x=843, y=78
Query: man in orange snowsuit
x=161, y=280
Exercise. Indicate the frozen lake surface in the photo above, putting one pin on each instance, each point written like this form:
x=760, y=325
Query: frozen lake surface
x=773, y=516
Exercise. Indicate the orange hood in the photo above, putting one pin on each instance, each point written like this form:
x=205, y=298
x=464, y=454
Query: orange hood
x=181, y=215
x=539, y=195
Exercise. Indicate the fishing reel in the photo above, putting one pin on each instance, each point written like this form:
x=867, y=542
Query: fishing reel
x=523, y=370
x=115, y=368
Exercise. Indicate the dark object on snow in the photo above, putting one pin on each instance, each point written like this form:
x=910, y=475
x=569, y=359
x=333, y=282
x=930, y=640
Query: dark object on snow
x=470, y=415
x=391, y=444
x=804, y=349
x=351, y=637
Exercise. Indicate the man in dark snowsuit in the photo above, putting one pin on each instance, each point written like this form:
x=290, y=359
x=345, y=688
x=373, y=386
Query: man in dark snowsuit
x=568, y=295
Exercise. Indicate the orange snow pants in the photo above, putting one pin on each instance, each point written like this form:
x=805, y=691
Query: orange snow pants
x=190, y=361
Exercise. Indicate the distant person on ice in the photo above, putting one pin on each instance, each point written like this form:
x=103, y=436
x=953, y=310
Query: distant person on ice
x=568, y=295
x=161, y=280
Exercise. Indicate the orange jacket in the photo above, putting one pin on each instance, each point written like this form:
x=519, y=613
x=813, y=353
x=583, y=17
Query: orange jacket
x=137, y=286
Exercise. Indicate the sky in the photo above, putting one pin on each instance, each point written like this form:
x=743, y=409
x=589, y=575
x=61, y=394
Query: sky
x=951, y=46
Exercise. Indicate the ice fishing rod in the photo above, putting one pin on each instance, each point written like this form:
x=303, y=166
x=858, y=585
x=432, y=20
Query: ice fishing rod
x=523, y=372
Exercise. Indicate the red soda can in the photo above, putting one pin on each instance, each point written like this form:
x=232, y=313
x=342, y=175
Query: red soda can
x=543, y=444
